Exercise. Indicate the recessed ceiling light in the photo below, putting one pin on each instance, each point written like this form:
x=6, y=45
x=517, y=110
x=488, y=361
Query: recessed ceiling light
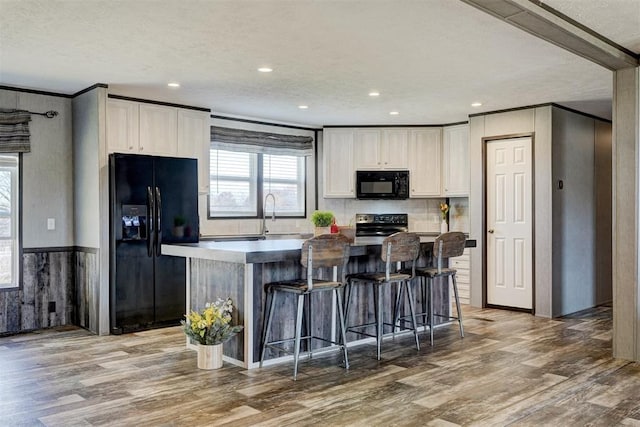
x=374, y=93
x=476, y=104
x=173, y=84
x=394, y=113
x=303, y=107
x=265, y=69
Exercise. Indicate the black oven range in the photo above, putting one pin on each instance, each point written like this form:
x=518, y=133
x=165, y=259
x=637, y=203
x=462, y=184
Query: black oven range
x=381, y=224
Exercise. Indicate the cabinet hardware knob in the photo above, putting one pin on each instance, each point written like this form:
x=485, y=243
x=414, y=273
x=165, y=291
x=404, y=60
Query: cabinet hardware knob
x=490, y=231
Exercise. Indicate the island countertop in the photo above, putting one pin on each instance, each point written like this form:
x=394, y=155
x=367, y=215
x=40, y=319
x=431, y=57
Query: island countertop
x=263, y=251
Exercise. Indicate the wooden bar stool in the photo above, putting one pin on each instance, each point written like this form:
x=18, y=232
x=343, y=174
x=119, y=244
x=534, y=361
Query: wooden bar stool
x=324, y=251
x=398, y=248
x=446, y=245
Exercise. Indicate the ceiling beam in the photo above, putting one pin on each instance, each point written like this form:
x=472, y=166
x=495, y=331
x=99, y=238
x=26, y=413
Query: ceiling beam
x=547, y=23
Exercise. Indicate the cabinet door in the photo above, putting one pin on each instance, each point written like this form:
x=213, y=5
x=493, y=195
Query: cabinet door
x=193, y=142
x=367, y=149
x=424, y=162
x=394, y=149
x=158, y=130
x=456, y=160
x=122, y=126
x=337, y=161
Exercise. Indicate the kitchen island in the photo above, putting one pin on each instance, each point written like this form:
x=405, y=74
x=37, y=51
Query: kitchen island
x=239, y=270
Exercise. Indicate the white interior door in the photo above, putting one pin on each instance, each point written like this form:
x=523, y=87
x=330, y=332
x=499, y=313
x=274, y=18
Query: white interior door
x=509, y=223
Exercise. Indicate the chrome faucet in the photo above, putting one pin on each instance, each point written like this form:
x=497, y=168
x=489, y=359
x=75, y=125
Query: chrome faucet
x=264, y=212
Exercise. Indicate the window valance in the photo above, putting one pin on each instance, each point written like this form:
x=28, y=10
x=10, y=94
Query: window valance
x=260, y=142
x=14, y=131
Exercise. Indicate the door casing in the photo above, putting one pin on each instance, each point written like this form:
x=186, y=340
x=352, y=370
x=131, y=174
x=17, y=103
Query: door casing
x=486, y=140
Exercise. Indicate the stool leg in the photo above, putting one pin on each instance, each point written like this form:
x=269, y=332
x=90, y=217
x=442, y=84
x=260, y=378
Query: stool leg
x=455, y=292
x=396, y=310
x=430, y=292
x=309, y=322
x=342, y=327
x=423, y=299
x=266, y=324
x=296, y=350
x=413, y=313
x=347, y=297
x=379, y=318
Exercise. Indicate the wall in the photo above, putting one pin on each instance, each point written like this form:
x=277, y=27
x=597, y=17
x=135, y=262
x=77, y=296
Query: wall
x=538, y=122
x=626, y=143
x=574, y=221
x=91, y=281
x=47, y=192
x=572, y=231
x=604, y=209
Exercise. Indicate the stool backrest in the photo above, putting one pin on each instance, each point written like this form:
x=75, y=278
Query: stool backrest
x=400, y=247
x=448, y=245
x=323, y=251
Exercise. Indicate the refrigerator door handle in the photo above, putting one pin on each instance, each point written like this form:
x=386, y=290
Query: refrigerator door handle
x=158, y=222
x=150, y=216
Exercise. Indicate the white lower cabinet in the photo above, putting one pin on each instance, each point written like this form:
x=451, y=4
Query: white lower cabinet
x=462, y=264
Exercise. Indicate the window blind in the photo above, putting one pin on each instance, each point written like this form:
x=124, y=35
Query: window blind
x=260, y=142
x=14, y=131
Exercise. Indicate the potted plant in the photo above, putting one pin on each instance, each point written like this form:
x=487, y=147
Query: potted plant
x=322, y=220
x=179, y=222
x=210, y=328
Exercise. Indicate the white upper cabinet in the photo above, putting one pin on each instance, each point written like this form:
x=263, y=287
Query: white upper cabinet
x=367, y=149
x=455, y=160
x=193, y=141
x=394, y=148
x=122, y=126
x=337, y=162
x=158, y=130
x=424, y=162
x=376, y=149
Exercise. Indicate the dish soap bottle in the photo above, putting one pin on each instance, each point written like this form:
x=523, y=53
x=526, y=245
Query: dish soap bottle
x=334, y=226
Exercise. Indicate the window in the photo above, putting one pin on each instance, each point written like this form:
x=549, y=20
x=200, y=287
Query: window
x=240, y=181
x=8, y=220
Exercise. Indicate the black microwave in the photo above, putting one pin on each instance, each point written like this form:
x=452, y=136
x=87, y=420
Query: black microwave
x=382, y=184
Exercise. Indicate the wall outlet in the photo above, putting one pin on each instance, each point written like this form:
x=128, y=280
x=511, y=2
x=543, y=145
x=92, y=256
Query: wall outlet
x=51, y=223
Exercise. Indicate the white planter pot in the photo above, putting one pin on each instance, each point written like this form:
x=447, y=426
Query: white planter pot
x=444, y=227
x=209, y=356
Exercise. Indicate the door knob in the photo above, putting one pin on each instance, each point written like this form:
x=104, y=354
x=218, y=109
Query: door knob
x=490, y=231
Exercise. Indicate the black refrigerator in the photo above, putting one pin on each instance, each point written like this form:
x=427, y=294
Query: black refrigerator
x=153, y=200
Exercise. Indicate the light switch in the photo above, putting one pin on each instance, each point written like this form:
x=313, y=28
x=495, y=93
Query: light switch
x=51, y=223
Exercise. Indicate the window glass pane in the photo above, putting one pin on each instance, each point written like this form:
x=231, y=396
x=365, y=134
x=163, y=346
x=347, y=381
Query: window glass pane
x=5, y=191
x=5, y=227
x=284, y=176
x=8, y=220
x=233, y=184
x=6, y=262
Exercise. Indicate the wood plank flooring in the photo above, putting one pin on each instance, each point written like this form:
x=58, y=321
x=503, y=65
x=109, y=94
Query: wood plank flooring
x=510, y=369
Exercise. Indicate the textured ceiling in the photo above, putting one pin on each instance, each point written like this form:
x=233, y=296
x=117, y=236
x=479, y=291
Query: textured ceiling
x=429, y=59
x=617, y=20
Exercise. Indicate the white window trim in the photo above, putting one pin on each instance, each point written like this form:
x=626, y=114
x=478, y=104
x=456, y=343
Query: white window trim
x=14, y=229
